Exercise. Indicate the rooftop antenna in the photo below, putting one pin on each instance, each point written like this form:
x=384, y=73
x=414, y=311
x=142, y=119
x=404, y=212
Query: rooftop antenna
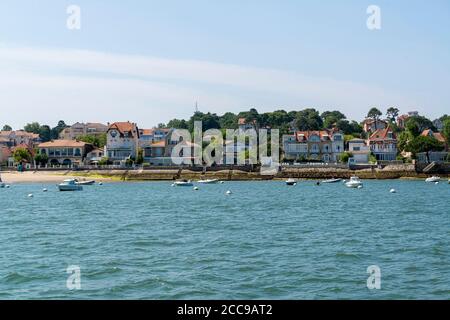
x=196, y=106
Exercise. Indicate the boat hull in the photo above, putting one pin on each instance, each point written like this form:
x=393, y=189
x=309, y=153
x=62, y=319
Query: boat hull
x=70, y=188
x=331, y=181
x=86, y=183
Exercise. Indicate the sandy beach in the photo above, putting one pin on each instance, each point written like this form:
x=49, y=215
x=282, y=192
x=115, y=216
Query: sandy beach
x=43, y=177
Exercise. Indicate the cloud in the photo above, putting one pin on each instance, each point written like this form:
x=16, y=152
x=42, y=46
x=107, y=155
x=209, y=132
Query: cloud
x=52, y=84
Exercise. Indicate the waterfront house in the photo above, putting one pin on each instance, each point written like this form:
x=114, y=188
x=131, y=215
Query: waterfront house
x=80, y=129
x=95, y=156
x=122, y=141
x=437, y=135
x=371, y=125
x=65, y=152
x=324, y=145
x=19, y=137
x=360, y=151
x=383, y=144
x=402, y=119
x=244, y=125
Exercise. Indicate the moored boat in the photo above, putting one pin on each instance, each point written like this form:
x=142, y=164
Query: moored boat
x=433, y=179
x=209, y=181
x=85, y=183
x=183, y=183
x=69, y=185
x=2, y=185
x=354, y=182
x=291, y=182
x=332, y=180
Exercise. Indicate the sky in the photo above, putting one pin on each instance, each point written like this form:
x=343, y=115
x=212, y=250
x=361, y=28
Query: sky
x=152, y=61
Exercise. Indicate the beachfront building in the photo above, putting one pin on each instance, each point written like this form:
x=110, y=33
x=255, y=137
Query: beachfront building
x=122, y=141
x=95, y=156
x=19, y=137
x=154, y=143
x=383, y=144
x=371, y=125
x=65, y=152
x=360, y=151
x=325, y=145
x=80, y=129
x=244, y=125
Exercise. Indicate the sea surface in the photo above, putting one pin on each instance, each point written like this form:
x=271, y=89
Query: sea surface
x=264, y=241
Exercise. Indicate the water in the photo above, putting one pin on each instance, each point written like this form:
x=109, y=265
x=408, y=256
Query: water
x=265, y=241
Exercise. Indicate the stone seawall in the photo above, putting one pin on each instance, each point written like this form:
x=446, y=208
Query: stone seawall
x=389, y=172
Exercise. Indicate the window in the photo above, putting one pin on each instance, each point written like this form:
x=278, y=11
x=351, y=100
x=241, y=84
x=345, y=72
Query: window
x=77, y=152
x=356, y=148
x=43, y=151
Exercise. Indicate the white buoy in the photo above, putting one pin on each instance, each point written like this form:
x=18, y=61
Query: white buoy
x=437, y=182
x=229, y=192
x=221, y=182
x=100, y=183
x=173, y=184
x=360, y=187
x=195, y=188
x=44, y=190
x=7, y=186
x=30, y=195
x=392, y=191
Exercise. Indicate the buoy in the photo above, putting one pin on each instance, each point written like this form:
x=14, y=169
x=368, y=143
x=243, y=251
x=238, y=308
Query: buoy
x=295, y=183
x=344, y=181
x=100, y=183
x=7, y=186
x=221, y=182
x=44, y=190
x=195, y=188
x=437, y=182
x=173, y=184
x=392, y=191
x=360, y=187
x=228, y=192
x=30, y=195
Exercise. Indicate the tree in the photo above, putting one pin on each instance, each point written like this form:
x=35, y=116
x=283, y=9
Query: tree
x=41, y=159
x=209, y=121
x=161, y=125
x=308, y=119
x=97, y=141
x=415, y=125
x=177, y=124
x=374, y=114
x=392, y=113
x=21, y=154
x=140, y=156
x=6, y=128
x=45, y=133
x=57, y=130
x=345, y=156
x=446, y=130
x=33, y=127
x=330, y=118
x=228, y=121
x=423, y=144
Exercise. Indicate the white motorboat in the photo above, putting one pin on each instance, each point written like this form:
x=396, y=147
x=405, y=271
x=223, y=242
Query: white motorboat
x=85, y=183
x=183, y=183
x=209, y=181
x=354, y=182
x=291, y=182
x=69, y=185
x=433, y=179
x=331, y=180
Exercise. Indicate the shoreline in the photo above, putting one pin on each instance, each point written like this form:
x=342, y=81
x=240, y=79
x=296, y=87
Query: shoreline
x=118, y=176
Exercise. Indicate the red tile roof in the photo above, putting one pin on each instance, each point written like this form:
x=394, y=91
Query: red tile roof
x=437, y=135
x=382, y=134
x=123, y=127
x=63, y=144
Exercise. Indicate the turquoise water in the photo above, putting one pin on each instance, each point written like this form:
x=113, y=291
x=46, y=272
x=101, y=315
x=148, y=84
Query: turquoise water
x=265, y=241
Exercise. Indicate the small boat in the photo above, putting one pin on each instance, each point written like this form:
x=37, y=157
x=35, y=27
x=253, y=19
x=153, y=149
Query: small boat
x=69, y=185
x=85, y=183
x=331, y=180
x=433, y=179
x=183, y=183
x=2, y=185
x=354, y=182
x=291, y=182
x=209, y=181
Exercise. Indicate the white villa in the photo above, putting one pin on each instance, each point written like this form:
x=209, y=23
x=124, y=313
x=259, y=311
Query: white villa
x=122, y=141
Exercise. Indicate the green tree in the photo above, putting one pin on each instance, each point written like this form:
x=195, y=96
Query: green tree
x=228, y=121
x=177, y=124
x=33, y=127
x=308, y=119
x=392, y=113
x=374, y=114
x=98, y=141
x=21, y=154
x=331, y=118
x=6, y=128
x=57, y=130
x=446, y=130
x=45, y=133
x=209, y=121
x=424, y=144
x=41, y=159
x=415, y=125
x=140, y=156
x=345, y=156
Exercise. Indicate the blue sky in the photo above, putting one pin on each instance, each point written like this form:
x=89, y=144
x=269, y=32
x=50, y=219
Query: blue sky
x=149, y=61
